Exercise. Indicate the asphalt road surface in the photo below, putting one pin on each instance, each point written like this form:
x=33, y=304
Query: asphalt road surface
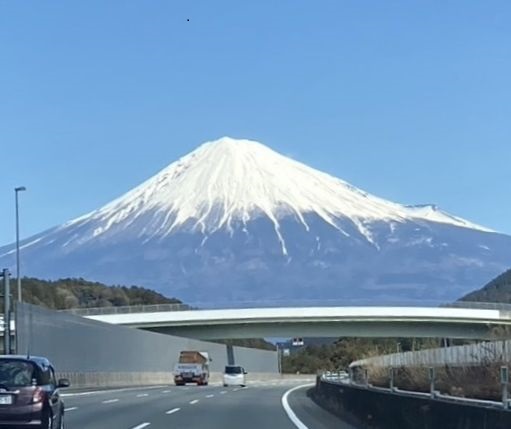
x=260, y=405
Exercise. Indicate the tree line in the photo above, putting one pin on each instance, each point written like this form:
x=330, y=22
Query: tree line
x=69, y=293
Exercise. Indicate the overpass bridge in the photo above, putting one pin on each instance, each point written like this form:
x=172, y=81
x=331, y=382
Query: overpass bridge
x=338, y=321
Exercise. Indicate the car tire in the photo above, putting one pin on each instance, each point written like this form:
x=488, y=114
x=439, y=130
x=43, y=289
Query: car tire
x=46, y=420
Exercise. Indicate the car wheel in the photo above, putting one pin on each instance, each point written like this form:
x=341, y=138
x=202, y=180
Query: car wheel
x=46, y=420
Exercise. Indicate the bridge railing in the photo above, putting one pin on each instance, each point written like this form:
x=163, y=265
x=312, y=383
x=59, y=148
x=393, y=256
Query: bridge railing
x=154, y=308
x=287, y=303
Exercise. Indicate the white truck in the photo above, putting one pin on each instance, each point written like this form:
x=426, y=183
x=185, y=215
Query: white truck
x=192, y=367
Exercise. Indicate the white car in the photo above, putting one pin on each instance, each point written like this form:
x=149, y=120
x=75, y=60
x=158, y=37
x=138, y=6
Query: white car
x=234, y=376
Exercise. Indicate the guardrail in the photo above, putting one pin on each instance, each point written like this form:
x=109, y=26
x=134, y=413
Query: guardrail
x=96, y=311
x=341, y=379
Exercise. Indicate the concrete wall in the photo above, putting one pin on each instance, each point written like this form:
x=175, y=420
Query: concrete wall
x=96, y=353
x=370, y=409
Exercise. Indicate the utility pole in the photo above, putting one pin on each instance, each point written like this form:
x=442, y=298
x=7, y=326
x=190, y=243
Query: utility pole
x=7, y=312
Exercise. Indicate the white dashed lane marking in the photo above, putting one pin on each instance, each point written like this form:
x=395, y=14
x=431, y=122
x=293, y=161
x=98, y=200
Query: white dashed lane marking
x=174, y=410
x=110, y=401
x=141, y=426
x=195, y=401
x=70, y=409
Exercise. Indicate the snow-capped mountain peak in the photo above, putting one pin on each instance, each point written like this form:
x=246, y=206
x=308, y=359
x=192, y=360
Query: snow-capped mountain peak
x=228, y=180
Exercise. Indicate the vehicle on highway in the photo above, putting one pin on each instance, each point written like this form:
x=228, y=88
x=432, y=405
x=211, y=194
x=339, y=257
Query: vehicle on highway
x=193, y=367
x=234, y=376
x=29, y=393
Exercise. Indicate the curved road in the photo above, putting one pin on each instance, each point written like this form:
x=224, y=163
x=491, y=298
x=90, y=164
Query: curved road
x=212, y=407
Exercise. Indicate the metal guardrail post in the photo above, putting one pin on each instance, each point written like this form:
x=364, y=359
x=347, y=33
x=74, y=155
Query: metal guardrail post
x=391, y=378
x=431, y=373
x=366, y=377
x=504, y=381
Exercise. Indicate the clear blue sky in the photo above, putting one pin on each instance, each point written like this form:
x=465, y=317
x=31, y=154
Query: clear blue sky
x=409, y=100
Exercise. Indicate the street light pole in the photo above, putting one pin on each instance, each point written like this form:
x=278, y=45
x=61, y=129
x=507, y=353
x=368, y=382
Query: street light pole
x=18, y=275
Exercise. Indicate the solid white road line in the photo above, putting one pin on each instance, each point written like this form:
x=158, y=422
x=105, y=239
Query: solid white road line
x=70, y=409
x=195, y=401
x=290, y=413
x=141, y=426
x=142, y=395
x=173, y=410
x=110, y=401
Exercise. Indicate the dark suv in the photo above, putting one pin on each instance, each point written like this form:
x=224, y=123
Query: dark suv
x=29, y=394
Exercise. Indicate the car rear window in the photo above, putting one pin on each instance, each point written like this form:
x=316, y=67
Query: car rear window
x=16, y=373
x=233, y=370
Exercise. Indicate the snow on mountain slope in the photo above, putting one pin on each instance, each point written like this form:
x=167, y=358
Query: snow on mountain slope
x=228, y=181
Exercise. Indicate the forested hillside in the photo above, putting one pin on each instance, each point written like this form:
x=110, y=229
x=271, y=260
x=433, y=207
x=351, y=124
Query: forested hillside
x=79, y=293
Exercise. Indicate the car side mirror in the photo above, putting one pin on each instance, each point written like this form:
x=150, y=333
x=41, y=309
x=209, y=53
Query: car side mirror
x=63, y=383
x=245, y=372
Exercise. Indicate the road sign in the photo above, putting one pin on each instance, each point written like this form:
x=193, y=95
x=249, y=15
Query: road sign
x=297, y=342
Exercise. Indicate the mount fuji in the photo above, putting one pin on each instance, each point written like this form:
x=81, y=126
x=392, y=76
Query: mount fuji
x=234, y=221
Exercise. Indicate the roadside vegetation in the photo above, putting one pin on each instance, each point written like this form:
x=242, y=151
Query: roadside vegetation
x=338, y=355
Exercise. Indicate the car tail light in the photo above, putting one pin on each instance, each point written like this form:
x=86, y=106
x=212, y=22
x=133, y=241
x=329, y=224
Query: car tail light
x=38, y=395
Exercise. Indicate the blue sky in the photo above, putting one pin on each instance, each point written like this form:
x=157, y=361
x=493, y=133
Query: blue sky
x=409, y=100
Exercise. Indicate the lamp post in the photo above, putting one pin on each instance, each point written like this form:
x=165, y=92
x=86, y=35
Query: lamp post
x=18, y=275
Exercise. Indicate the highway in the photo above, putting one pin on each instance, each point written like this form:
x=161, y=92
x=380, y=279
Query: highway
x=259, y=405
